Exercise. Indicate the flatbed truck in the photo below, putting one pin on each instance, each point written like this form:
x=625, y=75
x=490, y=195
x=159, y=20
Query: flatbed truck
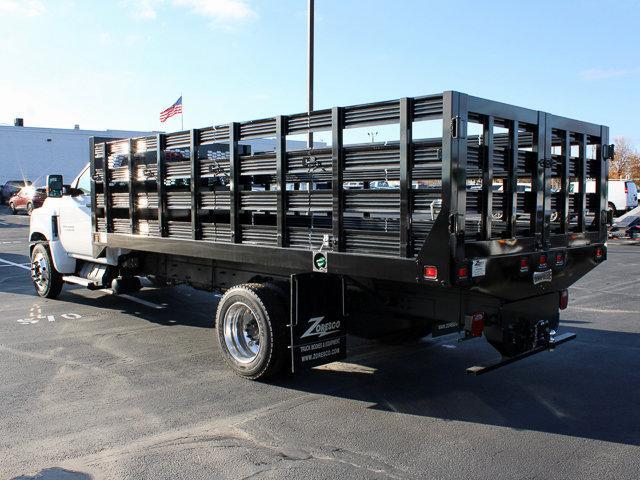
x=305, y=245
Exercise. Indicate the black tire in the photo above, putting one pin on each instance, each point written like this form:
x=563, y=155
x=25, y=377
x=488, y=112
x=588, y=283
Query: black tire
x=266, y=310
x=48, y=284
x=29, y=208
x=12, y=207
x=612, y=207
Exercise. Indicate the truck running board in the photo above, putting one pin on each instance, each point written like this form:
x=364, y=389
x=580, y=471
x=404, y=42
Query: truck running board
x=85, y=282
x=480, y=369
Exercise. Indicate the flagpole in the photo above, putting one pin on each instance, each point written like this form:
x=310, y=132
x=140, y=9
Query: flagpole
x=182, y=113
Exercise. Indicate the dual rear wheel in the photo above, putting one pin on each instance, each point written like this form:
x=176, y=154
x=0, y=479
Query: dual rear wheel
x=251, y=326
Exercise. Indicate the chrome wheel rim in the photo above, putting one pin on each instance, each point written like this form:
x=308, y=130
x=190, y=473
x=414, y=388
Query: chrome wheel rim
x=241, y=333
x=39, y=271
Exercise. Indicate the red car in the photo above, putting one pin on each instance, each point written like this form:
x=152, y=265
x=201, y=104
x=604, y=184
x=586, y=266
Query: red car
x=27, y=198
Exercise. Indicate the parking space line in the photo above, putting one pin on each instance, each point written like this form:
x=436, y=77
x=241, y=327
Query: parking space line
x=19, y=265
x=135, y=299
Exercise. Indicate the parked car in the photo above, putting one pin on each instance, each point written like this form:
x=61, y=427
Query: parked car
x=27, y=198
x=10, y=188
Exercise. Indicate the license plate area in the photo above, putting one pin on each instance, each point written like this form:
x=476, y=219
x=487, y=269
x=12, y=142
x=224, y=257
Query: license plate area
x=542, y=277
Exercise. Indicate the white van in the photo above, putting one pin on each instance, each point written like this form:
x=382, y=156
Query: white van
x=622, y=194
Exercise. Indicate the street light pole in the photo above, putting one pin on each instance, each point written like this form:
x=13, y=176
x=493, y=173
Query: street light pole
x=310, y=32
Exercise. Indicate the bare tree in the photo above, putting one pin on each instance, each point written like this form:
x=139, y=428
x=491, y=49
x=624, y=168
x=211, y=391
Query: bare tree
x=626, y=161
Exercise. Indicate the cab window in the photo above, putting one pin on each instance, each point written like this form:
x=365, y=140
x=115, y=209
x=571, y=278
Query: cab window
x=84, y=183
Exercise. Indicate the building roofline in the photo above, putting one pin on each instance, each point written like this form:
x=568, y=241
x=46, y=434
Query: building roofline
x=73, y=131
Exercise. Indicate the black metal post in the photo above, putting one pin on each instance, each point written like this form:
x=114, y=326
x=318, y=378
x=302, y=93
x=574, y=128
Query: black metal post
x=512, y=191
x=132, y=195
x=234, y=185
x=194, y=183
x=582, y=221
x=566, y=150
x=92, y=174
x=105, y=188
x=602, y=184
x=337, y=164
x=162, y=208
x=281, y=180
x=547, y=172
x=537, y=182
x=406, y=139
x=487, y=178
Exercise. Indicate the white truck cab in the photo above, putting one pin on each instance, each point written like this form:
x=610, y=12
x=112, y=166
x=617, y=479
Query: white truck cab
x=60, y=236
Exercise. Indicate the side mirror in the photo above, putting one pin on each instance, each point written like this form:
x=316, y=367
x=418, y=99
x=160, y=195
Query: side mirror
x=54, y=186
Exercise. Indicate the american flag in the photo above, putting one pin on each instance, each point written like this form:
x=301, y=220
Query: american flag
x=174, y=109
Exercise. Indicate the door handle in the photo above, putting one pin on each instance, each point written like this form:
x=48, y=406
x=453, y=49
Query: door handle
x=88, y=205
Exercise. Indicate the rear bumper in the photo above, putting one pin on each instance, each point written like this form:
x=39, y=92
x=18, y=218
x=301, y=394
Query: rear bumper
x=504, y=277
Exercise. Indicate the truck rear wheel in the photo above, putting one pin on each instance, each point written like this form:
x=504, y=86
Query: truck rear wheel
x=46, y=279
x=251, y=323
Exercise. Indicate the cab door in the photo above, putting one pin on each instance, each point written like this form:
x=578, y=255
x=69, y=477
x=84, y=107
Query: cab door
x=75, y=217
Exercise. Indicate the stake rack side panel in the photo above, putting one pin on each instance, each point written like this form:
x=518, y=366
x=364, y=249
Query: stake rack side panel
x=250, y=183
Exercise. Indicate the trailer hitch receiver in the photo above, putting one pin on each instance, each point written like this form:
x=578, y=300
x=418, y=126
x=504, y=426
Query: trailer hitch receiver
x=550, y=346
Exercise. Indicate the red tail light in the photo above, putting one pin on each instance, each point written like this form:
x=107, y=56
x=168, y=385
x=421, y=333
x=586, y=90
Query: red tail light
x=564, y=299
x=430, y=272
x=463, y=272
x=524, y=264
x=542, y=261
x=477, y=325
x=599, y=253
x=559, y=259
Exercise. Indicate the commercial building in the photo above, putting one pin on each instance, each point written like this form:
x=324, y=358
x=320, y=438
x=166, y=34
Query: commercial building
x=33, y=152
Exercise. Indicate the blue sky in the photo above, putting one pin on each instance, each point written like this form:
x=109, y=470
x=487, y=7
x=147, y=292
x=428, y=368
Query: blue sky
x=117, y=64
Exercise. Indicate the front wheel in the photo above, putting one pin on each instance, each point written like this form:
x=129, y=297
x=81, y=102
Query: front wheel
x=612, y=208
x=251, y=321
x=46, y=279
x=29, y=208
x=12, y=207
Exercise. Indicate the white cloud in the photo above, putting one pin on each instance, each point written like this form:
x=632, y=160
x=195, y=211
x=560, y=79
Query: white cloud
x=28, y=8
x=604, y=73
x=143, y=9
x=216, y=10
x=221, y=10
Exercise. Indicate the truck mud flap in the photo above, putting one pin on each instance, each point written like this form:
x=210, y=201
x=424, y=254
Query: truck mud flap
x=318, y=320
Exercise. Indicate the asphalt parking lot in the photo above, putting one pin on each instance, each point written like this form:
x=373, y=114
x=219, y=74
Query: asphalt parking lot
x=97, y=386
